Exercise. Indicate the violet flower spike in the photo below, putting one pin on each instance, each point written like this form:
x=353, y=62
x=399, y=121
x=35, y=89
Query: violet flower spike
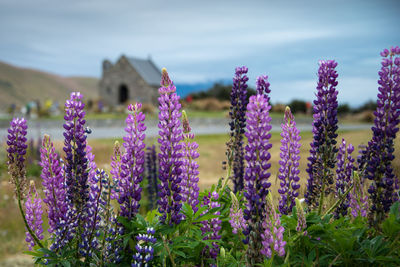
x=289, y=164
x=257, y=157
x=213, y=225
x=257, y=173
x=16, y=149
x=170, y=156
x=323, y=147
x=344, y=171
x=236, y=214
x=53, y=186
x=375, y=162
x=272, y=237
x=116, y=170
x=132, y=162
x=34, y=212
x=190, y=173
x=76, y=163
x=358, y=200
x=237, y=125
x=301, y=217
x=152, y=176
x=144, y=250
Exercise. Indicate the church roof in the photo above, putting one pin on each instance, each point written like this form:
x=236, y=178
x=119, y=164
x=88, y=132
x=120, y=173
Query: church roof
x=147, y=69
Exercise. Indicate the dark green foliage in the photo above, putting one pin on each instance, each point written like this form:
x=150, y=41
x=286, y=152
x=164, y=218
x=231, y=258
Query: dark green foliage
x=297, y=106
x=220, y=91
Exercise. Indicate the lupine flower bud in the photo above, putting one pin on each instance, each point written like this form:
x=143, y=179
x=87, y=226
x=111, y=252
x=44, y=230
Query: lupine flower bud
x=152, y=176
x=358, y=200
x=170, y=156
x=116, y=170
x=344, y=170
x=16, y=149
x=53, y=186
x=238, y=124
x=289, y=164
x=236, y=214
x=213, y=225
x=323, y=147
x=375, y=162
x=34, y=211
x=301, y=217
x=190, y=173
x=132, y=162
x=272, y=237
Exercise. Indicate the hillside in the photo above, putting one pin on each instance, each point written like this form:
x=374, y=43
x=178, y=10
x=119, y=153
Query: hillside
x=20, y=85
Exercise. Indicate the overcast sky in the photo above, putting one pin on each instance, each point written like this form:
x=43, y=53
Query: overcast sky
x=200, y=41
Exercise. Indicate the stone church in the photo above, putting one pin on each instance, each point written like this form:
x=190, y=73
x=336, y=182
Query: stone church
x=129, y=80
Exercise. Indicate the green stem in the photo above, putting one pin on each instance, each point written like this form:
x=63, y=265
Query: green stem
x=340, y=200
x=168, y=251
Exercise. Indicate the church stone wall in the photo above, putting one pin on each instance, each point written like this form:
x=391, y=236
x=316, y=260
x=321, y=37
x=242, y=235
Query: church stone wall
x=122, y=73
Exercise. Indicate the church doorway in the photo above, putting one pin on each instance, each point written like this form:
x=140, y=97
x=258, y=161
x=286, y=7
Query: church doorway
x=123, y=94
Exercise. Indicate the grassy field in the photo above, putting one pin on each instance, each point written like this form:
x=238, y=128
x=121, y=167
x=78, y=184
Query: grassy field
x=212, y=153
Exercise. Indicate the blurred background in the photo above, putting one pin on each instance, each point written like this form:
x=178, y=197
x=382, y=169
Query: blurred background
x=113, y=52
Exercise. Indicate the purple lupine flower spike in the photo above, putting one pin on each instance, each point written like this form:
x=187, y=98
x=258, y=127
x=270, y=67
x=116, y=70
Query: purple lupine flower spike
x=358, y=200
x=375, y=162
x=301, y=217
x=237, y=125
x=262, y=86
x=76, y=163
x=132, y=162
x=289, y=164
x=144, y=249
x=257, y=156
x=53, y=186
x=34, y=212
x=272, y=237
x=257, y=173
x=213, y=225
x=16, y=149
x=115, y=171
x=323, y=147
x=236, y=214
x=344, y=171
x=170, y=156
x=152, y=176
x=190, y=173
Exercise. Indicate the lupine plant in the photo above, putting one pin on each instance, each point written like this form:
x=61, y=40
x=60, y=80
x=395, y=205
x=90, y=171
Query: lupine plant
x=95, y=216
x=376, y=159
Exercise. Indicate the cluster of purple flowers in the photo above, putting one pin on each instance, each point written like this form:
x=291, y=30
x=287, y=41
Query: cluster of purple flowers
x=344, y=172
x=34, y=212
x=272, y=237
x=301, y=217
x=257, y=157
x=170, y=157
x=144, y=250
x=289, y=164
x=190, y=173
x=358, y=200
x=375, y=161
x=212, y=226
x=323, y=148
x=132, y=163
x=236, y=214
x=237, y=125
x=152, y=177
x=16, y=150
